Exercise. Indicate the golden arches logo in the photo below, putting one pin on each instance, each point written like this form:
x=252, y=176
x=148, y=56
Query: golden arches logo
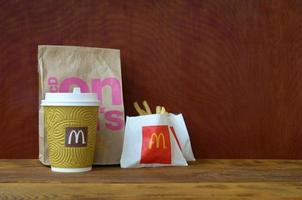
x=157, y=138
x=76, y=134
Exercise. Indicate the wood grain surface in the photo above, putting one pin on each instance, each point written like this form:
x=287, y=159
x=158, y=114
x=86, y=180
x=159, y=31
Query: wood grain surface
x=232, y=67
x=204, y=179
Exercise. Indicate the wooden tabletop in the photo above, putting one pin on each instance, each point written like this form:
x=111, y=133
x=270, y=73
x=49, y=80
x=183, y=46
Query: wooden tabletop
x=203, y=179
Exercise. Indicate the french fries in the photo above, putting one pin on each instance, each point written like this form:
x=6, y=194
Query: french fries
x=147, y=111
x=163, y=110
x=138, y=109
x=158, y=109
x=147, y=108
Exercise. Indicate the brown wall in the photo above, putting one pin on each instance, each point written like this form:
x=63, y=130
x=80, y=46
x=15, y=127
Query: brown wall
x=232, y=67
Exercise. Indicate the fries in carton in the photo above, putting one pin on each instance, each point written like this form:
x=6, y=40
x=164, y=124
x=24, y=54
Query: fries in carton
x=153, y=140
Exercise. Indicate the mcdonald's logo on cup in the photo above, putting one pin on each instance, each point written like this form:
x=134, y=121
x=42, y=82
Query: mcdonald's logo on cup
x=156, y=145
x=76, y=137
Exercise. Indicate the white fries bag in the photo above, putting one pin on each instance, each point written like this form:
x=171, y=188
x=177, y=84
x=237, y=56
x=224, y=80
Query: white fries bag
x=152, y=141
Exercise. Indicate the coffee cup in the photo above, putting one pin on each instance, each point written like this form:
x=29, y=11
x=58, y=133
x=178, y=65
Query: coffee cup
x=71, y=123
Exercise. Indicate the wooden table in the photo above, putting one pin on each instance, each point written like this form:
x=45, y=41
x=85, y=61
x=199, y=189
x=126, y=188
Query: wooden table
x=203, y=179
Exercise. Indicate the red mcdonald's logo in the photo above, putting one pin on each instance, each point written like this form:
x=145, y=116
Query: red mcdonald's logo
x=156, y=145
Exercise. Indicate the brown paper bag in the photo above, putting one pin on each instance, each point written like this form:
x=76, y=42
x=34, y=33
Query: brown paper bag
x=93, y=70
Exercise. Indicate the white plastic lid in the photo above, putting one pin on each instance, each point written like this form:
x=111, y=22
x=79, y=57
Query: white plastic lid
x=76, y=98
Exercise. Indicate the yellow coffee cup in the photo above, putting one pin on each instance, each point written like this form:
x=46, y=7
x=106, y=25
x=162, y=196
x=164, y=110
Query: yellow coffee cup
x=71, y=122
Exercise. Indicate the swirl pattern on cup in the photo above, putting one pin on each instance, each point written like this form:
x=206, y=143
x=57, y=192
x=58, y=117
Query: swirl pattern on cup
x=57, y=119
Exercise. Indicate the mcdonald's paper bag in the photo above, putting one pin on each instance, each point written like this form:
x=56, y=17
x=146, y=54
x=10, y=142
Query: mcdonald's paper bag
x=94, y=70
x=149, y=142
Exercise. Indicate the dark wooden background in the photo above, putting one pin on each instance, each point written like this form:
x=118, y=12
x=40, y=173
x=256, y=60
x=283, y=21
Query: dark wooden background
x=232, y=67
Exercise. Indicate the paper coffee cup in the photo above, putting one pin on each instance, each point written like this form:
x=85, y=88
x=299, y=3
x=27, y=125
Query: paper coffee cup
x=71, y=121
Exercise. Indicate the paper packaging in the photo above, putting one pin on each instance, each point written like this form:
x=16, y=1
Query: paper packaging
x=178, y=123
x=156, y=140
x=94, y=70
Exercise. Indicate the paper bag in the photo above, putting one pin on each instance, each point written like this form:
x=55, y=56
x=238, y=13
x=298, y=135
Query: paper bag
x=94, y=70
x=151, y=141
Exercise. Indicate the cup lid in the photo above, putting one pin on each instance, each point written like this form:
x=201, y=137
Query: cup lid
x=76, y=98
